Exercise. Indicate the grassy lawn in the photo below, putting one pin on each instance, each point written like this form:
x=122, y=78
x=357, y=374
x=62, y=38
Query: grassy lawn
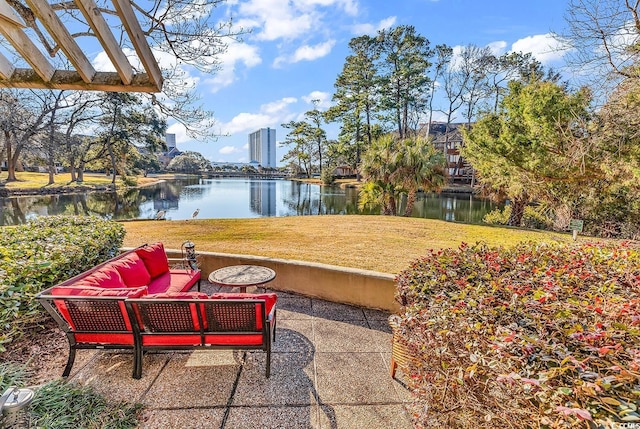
x=30, y=180
x=379, y=243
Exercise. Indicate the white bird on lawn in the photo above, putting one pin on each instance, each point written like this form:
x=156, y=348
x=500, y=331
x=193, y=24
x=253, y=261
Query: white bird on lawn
x=195, y=214
x=160, y=215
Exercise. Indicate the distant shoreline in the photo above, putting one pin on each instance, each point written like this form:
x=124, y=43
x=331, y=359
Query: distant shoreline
x=150, y=180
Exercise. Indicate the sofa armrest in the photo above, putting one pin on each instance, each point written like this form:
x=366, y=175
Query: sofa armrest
x=181, y=264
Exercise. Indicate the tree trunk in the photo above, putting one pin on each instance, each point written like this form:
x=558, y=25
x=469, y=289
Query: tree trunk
x=112, y=157
x=517, y=210
x=11, y=168
x=389, y=204
x=411, y=199
x=80, y=178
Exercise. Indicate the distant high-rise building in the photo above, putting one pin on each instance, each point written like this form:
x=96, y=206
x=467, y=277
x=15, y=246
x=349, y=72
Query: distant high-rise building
x=262, y=147
x=171, y=141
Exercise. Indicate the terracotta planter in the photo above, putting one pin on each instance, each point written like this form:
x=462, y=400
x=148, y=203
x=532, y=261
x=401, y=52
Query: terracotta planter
x=400, y=356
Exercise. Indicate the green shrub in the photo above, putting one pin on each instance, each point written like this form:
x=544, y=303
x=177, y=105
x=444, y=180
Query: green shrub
x=327, y=176
x=65, y=405
x=129, y=180
x=531, y=336
x=531, y=218
x=43, y=252
x=498, y=216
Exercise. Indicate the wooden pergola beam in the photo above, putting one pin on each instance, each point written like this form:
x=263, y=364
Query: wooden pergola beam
x=69, y=79
x=61, y=35
x=6, y=68
x=136, y=35
x=108, y=41
x=83, y=75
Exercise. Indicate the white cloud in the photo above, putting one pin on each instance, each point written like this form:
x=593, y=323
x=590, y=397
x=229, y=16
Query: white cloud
x=237, y=54
x=275, y=107
x=324, y=99
x=497, y=48
x=278, y=19
x=310, y=53
x=349, y=6
x=544, y=47
x=372, y=29
x=269, y=115
x=245, y=122
x=306, y=53
x=228, y=150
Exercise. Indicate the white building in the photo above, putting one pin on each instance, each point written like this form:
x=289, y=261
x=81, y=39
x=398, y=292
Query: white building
x=171, y=141
x=262, y=147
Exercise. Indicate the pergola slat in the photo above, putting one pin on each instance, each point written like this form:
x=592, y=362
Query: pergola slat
x=6, y=68
x=18, y=27
x=28, y=50
x=61, y=35
x=9, y=15
x=69, y=79
x=101, y=28
x=132, y=26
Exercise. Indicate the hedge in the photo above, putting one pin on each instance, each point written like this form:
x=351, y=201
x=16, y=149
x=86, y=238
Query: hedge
x=44, y=252
x=534, y=336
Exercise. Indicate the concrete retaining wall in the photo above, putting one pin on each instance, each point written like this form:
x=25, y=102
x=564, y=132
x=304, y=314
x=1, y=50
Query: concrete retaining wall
x=363, y=288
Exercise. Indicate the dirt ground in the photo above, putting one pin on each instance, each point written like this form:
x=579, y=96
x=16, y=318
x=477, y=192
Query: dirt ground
x=43, y=350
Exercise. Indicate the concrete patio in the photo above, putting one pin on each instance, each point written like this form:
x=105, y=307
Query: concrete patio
x=329, y=369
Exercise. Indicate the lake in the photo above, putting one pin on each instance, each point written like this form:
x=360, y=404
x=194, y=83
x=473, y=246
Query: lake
x=229, y=198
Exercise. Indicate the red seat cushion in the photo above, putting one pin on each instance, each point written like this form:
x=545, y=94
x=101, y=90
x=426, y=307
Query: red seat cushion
x=155, y=259
x=106, y=277
x=174, y=281
x=132, y=270
x=79, y=290
x=179, y=295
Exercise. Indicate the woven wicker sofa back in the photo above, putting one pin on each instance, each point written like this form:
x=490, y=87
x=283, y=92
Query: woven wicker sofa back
x=169, y=324
x=141, y=324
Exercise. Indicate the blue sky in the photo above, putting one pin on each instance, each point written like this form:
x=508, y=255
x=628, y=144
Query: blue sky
x=297, y=48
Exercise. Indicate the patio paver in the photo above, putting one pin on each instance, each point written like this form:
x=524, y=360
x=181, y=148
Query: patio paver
x=329, y=369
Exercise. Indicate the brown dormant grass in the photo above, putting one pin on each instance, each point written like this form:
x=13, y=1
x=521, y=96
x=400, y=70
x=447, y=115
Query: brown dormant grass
x=378, y=243
x=30, y=180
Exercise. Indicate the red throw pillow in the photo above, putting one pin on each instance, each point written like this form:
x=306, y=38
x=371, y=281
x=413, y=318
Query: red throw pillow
x=88, y=281
x=179, y=295
x=106, y=277
x=155, y=259
x=269, y=298
x=133, y=271
x=96, y=291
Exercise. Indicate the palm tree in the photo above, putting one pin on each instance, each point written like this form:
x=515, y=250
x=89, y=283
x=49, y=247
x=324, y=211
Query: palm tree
x=392, y=168
x=378, y=168
x=420, y=167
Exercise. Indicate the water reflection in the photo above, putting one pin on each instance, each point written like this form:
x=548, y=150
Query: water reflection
x=262, y=197
x=229, y=198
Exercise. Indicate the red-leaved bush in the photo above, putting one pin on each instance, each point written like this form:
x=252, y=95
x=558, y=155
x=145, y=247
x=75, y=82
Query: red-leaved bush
x=524, y=337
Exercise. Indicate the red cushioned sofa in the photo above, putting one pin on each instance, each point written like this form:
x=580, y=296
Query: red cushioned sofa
x=135, y=301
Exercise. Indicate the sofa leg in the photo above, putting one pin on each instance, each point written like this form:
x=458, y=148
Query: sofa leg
x=137, y=362
x=268, y=371
x=70, y=360
x=272, y=328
